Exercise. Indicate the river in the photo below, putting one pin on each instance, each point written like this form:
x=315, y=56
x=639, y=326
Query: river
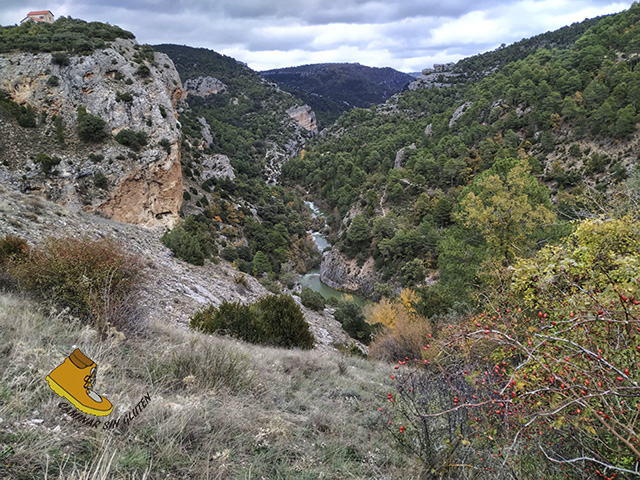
x=311, y=279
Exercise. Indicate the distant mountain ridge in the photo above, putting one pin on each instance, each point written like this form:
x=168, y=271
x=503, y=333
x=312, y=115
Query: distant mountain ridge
x=333, y=88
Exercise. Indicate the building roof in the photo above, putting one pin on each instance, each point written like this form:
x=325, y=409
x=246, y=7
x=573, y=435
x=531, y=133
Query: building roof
x=33, y=19
x=39, y=12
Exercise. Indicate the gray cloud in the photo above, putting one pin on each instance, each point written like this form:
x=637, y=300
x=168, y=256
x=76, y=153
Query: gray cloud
x=407, y=35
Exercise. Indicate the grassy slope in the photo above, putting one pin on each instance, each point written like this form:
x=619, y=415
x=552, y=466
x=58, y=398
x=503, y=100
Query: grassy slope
x=219, y=408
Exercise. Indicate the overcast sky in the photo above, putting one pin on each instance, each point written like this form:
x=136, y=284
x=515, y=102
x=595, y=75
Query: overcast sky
x=407, y=35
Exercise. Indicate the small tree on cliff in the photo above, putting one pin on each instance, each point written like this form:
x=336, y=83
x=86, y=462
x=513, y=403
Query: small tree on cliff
x=90, y=128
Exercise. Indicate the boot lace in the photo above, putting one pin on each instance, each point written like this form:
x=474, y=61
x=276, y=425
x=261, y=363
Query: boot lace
x=89, y=379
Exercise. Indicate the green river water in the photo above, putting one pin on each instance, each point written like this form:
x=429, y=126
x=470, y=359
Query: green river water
x=311, y=279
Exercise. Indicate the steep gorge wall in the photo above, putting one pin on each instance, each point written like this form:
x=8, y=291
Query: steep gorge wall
x=344, y=274
x=129, y=88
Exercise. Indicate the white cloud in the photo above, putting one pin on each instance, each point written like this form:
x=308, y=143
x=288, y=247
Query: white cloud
x=472, y=28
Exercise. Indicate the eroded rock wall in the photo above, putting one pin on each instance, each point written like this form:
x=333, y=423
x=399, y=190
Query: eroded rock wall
x=125, y=89
x=344, y=274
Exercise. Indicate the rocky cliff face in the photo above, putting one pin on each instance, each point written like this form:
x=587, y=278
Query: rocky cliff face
x=130, y=88
x=305, y=118
x=203, y=86
x=343, y=274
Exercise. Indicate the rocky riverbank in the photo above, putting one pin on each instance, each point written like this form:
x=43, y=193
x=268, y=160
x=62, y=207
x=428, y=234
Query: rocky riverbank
x=344, y=274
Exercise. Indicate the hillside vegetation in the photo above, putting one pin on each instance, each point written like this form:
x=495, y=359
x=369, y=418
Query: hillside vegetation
x=244, y=118
x=333, y=88
x=498, y=217
x=238, y=215
x=218, y=409
x=66, y=34
x=501, y=214
x=404, y=178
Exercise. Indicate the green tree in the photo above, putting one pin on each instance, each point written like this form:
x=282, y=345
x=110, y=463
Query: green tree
x=625, y=121
x=507, y=206
x=261, y=263
x=358, y=235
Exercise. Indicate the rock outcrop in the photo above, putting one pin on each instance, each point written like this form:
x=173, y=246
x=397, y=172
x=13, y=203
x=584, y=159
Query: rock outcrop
x=343, y=274
x=305, y=117
x=203, y=86
x=128, y=91
x=216, y=166
x=400, y=156
x=459, y=112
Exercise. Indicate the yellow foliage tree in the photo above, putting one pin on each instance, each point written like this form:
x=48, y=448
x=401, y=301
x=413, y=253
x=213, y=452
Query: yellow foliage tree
x=507, y=206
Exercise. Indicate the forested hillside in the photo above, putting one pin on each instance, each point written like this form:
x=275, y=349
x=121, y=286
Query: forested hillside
x=334, y=88
x=499, y=217
x=563, y=38
x=438, y=182
x=237, y=131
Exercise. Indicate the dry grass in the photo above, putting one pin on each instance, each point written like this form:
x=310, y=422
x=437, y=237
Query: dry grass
x=219, y=409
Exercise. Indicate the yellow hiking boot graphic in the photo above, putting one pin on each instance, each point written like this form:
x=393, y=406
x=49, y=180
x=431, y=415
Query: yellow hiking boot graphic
x=74, y=381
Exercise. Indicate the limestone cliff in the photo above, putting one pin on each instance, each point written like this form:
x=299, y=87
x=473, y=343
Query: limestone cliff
x=305, y=118
x=344, y=274
x=129, y=87
x=203, y=86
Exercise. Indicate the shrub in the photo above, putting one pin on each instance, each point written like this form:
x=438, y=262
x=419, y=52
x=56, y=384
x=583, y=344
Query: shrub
x=46, y=162
x=59, y=127
x=284, y=323
x=12, y=249
x=100, y=180
x=133, y=140
x=124, y=97
x=351, y=316
x=96, y=279
x=23, y=114
x=273, y=320
x=183, y=245
x=166, y=144
x=27, y=117
x=60, y=58
x=406, y=339
x=53, y=81
x=240, y=280
x=143, y=71
x=574, y=150
x=90, y=128
x=311, y=299
x=234, y=319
